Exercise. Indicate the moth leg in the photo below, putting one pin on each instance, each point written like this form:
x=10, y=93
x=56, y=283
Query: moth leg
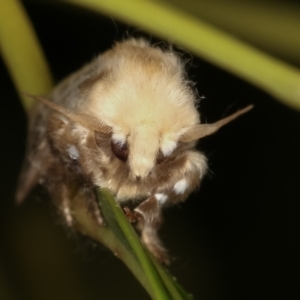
x=149, y=218
x=93, y=207
x=175, y=190
x=64, y=200
x=65, y=206
x=61, y=197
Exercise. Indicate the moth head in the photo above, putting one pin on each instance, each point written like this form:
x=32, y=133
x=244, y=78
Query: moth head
x=144, y=146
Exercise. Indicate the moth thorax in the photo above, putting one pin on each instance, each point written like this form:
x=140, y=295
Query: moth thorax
x=144, y=146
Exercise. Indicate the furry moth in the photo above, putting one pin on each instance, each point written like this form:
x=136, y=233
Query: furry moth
x=128, y=122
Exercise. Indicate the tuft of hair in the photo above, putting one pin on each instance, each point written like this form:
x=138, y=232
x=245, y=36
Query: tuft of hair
x=144, y=95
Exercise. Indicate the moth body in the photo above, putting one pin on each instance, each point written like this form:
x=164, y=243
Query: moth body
x=127, y=122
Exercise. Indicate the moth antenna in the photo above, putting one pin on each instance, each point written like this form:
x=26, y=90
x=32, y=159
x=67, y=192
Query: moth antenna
x=202, y=130
x=87, y=121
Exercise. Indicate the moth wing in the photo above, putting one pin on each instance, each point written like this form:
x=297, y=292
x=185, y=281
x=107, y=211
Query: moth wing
x=28, y=178
x=37, y=158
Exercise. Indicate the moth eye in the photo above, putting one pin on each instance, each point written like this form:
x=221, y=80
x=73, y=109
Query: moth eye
x=120, y=151
x=160, y=157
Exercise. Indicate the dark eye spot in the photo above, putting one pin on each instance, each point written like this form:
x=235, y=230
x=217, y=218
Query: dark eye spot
x=160, y=157
x=120, y=151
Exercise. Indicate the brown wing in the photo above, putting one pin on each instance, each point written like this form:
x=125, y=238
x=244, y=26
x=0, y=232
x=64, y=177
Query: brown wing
x=38, y=157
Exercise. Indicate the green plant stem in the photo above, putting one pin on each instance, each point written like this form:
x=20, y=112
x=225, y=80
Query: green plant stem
x=268, y=26
x=108, y=236
x=266, y=72
x=150, y=266
x=118, y=235
x=22, y=53
x=174, y=288
x=155, y=281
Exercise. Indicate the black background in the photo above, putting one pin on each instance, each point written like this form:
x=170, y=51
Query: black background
x=236, y=238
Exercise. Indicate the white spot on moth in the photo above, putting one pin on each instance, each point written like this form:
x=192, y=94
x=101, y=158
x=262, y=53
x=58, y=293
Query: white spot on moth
x=180, y=186
x=167, y=147
x=119, y=138
x=73, y=152
x=161, y=198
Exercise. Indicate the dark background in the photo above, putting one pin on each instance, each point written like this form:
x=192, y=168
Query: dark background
x=236, y=238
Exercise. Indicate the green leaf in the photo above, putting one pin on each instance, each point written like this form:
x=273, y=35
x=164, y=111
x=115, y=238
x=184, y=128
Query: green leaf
x=118, y=235
x=271, y=26
x=166, y=21
x=22, y=53
x=156, y=274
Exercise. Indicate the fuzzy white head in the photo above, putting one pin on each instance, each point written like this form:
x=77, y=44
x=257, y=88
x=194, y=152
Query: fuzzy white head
x=146, y=99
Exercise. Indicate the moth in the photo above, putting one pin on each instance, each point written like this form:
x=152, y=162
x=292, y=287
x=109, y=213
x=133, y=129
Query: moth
x=128, y=122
